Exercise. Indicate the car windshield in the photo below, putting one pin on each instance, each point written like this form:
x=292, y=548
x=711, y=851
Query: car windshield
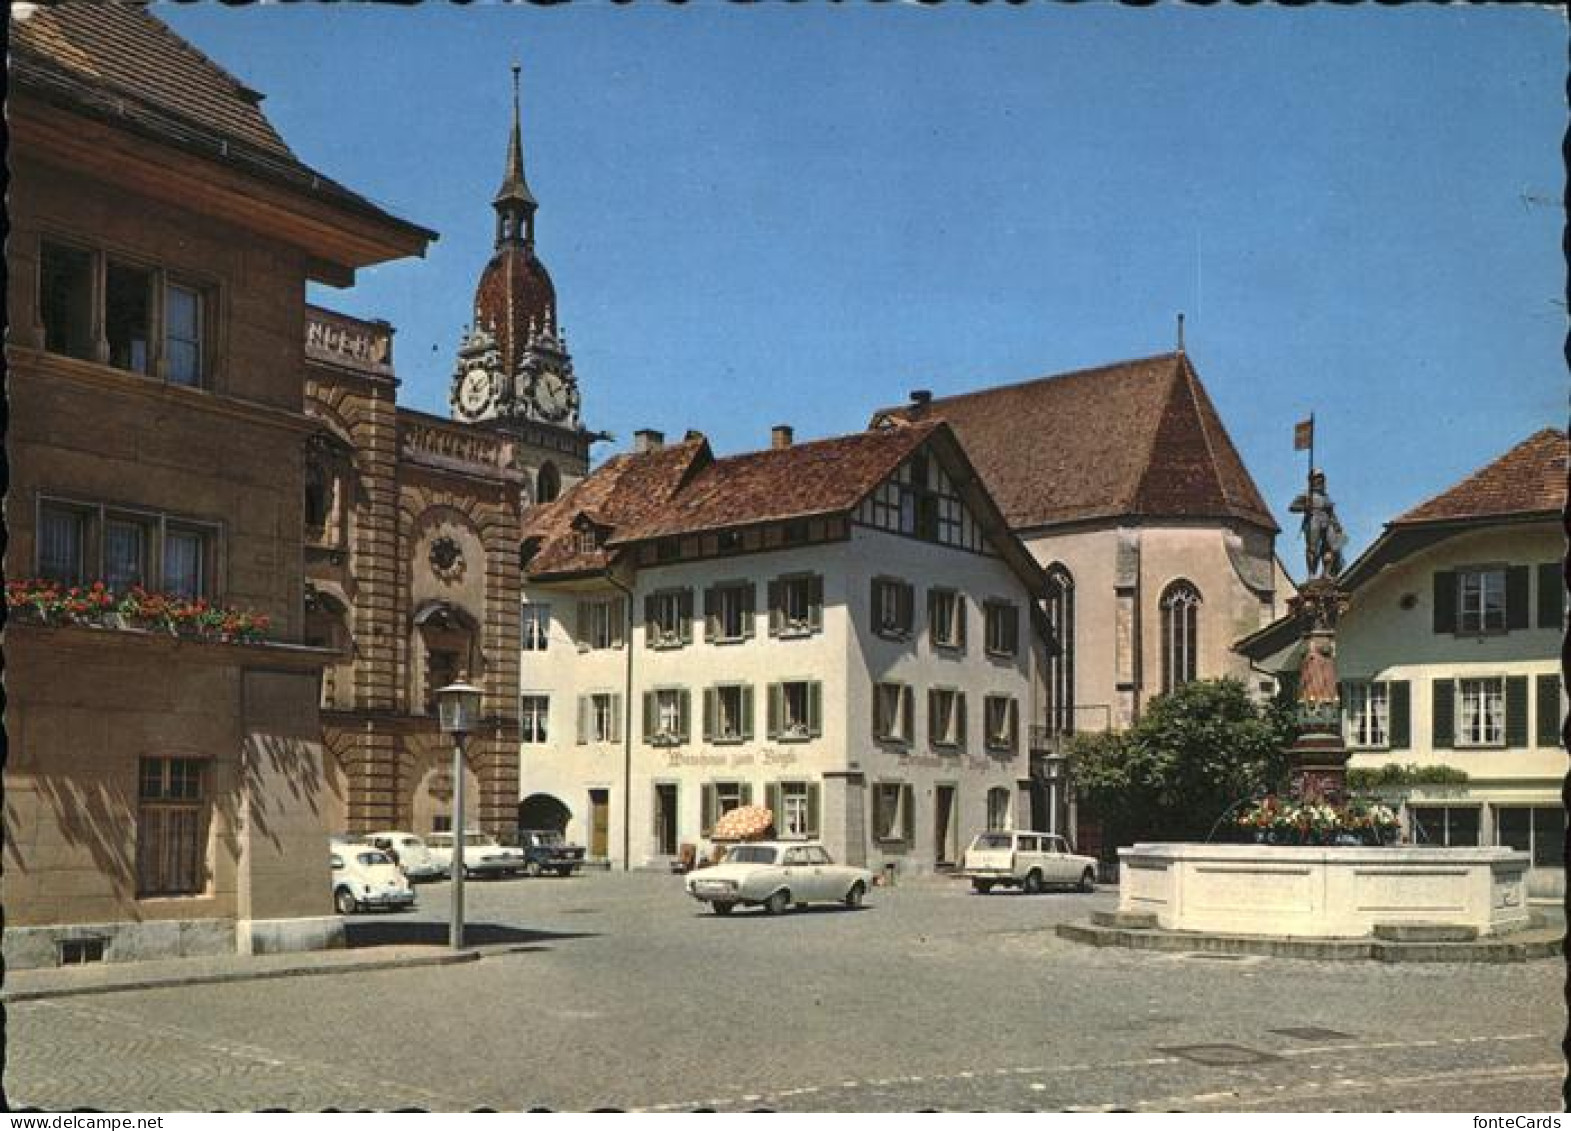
x=371, y=859
x=993, y=840
x=750, y=854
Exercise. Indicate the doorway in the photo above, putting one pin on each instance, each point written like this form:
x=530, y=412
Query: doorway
x=665, y=819
x=599, y=823
x=945, y=832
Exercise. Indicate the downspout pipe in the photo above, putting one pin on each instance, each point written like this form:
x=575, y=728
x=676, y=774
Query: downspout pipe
x=627, y=728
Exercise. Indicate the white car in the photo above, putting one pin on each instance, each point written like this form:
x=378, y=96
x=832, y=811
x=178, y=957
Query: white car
x=777, y=875
x=1029, y=861
x=365, y=877
x=483, y=856
x=409, y=852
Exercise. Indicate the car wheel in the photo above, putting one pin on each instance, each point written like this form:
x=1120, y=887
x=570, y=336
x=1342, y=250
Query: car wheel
x=778, y=902
x=854, y=896
x=1033, y=882
x=722, y=907
x=344, y=901
x=533, y=869
x=981, y=887
x=1087, y=881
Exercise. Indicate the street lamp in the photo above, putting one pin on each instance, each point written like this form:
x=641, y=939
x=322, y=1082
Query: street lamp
x=458, y=710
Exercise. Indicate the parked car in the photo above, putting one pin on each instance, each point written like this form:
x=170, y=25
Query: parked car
x=775, y=875
x=546, y=850
x=366, y=877
x=1025, y=860
x=409, y=852
x=483, y=856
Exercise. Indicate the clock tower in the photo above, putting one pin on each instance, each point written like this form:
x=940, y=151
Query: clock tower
x=513, y=365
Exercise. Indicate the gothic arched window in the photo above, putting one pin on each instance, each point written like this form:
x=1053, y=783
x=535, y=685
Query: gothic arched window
x=1061, y=663
x=548, y=483
x=1180, y=634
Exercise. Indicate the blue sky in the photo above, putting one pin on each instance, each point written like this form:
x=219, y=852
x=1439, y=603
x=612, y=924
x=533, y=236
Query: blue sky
x=795, y=214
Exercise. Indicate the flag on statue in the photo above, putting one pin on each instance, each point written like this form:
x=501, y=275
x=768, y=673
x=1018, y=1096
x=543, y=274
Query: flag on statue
x=1304, y=435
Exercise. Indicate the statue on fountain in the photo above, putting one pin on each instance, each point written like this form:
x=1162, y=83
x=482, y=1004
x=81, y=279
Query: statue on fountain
x=1319, y=756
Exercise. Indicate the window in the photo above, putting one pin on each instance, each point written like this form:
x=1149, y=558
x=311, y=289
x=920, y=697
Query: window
x=533, y=713
x=1445, y=825
x=1180, y=634
x=1368, y=710
x=1538, y=831
x=1481, y=600
x=182, y=335
x=795, y=710
x=185, y=557
x=125, y=554
x=997, y=809
x=893, y=819
x=668, y=618
x=170, y=830
x=1003, y=628
x=548, y=483
x=946, y=717
x=666, y=714
x=1060, y=673
x=1481, y=712
x=77, y=542
x=728, y=612
x=1002, y=715
x=599, y=717
x=892, y=607
x=946, y=618
x=587, y=539
x=728, y=713
x=127, y=315
x=795, y=806
x=600, y=621
x=796, y=605
x=892, y=712
x=719, y=798
x=65, y=300
x=920, y=501
x=60, y=544
x=536, y=624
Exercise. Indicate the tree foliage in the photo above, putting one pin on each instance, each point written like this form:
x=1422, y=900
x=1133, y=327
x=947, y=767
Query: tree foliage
x=1194, y=754
x=1394, y=776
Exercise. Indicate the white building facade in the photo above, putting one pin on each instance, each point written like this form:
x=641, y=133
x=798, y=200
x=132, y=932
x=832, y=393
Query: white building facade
x=861, y=661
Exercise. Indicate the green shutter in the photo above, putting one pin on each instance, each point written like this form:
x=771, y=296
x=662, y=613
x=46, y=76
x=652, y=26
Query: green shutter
x=747, y=712
x=776, y=613
x=907, y=814
x=684, y=713
x=1549, y=710
x=1401, y=705
x=875, y=605
x=616, y=717
x=706, y=818
x=685, y=607
x=650, y=721
x=1516, y=597
x=815, y=710
x=583, y=719
x=1445, y=601
x=960, y=719
x=619, y=612
x=774, y=711
x=960, y=620
x=1014, y=727
x=1443, y=715
x=812, y=810
x=907, y=712
x=711, y=713
x=907, y=605
x=932, y=716
x=749, y=610
x=815, y=602
x=772, y=801
x=711, y=615
x=651, y=630
x=1516, y=710
x=747, y=793
x=583, y=623
x=1551, y=595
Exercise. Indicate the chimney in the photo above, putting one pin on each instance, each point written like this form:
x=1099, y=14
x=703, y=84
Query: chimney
x=920, y=399
x=648, y=440
x=692, y=434
x=780, y=436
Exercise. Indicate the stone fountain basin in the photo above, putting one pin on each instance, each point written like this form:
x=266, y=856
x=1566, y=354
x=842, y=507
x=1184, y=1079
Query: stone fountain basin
x=1323, y=892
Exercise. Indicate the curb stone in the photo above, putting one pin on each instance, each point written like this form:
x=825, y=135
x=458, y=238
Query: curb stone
x=1520, y=947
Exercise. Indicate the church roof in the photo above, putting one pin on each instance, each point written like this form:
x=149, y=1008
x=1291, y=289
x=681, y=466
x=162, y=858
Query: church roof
x=119, y=63
x=1529, y=479
x=1135, y=438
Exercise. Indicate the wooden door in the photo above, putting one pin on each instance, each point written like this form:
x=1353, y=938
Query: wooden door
x=599, y=823
x=944, y=825
x=665, y=819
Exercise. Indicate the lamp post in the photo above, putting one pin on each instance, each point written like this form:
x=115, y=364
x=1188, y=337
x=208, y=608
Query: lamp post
x=458, y=710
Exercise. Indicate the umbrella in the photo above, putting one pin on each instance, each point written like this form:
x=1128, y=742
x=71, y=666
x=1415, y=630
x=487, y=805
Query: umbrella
x=750, y=822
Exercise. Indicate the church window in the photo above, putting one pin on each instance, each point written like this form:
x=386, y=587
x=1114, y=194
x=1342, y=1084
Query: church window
x=1180, y=634
x=1061, y=661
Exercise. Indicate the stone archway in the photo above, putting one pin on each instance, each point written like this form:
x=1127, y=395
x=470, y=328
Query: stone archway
x=542, y=811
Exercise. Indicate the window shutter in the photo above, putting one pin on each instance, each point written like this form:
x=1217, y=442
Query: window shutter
x=685, y=609
x=1551, y=595
x=711, y=615
x=772, y=802
x=775, y=710
x=877, y=605
x=933, y=734
x=651, y=721
x=933, y=597
x=1400, y=700
x=815, y=603
x=907, y=814
x=749, y=610
x=1443, y=721
x=1549, y=709
x=960, y=719
x=907, y=712
x=776, y=613
x=583, y=719
x=815, y=710
x=651, y=629
x=583, y=623
x=1516, y=710
x=706, y=819
x=711, y=713
x=812, y=808
x=1014, y=726
x=1516, y=597
x=616, y=718
x=1445, y=601
x=747, y=712
x=684, y=711
x=907, y=608
x=747, y=793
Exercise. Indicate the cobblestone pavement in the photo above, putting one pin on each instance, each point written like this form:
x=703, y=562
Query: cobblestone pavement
x=617, y=991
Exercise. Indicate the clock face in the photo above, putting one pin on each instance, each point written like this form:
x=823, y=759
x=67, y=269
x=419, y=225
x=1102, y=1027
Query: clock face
x=475, y=391
x=552, y=395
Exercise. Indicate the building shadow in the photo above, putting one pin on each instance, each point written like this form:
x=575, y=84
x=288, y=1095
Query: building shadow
x=382, y=931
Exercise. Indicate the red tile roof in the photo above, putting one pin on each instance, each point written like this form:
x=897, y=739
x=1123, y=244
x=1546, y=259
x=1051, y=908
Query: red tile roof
x=1528, y=479
x=1138, y=438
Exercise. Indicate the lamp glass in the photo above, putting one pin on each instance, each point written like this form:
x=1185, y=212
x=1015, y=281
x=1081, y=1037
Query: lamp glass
x=458, y=708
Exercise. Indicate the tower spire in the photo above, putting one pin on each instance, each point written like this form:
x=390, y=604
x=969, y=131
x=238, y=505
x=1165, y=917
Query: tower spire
x=515, y=205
